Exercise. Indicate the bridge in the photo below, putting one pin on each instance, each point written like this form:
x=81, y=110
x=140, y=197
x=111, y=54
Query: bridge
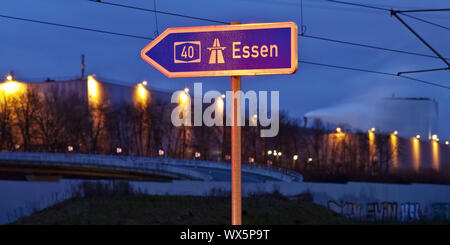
x=54, y=166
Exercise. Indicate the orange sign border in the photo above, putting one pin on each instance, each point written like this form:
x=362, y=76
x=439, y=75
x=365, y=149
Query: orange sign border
x=249, y=72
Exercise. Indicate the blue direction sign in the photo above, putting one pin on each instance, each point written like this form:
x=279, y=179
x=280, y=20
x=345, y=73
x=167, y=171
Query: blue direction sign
x=229, y=50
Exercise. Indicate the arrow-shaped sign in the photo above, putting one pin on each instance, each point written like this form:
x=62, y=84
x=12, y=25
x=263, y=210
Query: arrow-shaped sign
x=229, y=50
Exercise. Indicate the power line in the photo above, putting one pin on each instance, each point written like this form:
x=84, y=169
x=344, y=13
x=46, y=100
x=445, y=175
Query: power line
x=358, y=5
x=159, y=12
x=425, y=21
x=374, y=72
x=370, y=46
x=76, y=27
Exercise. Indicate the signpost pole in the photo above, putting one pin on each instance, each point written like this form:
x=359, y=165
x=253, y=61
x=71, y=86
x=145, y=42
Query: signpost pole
x=236, y=195
x=236, y=186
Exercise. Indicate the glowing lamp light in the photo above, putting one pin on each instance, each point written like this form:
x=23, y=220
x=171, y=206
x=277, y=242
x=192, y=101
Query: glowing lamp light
x=160, y=152
x=93, y=90
x=220, y=103
x=418, y=136
x=251, y=160
x=183, y=98
x=70, y=148
x=446, y=142
x=223, y=96
x=372, y=129
x=295, y=157
x=186, y=90
x=279, y=153
x=434, y=137
x=310, y=159
x=9, y=78
x=395, y=132
x=118, y=150
x=269, y=152
x=11, y=87
x=142, y=93
x=197, y=154
x=338, y=129
x=144, y=83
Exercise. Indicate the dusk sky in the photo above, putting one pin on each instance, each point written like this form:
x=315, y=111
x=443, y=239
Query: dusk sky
x=37, y=51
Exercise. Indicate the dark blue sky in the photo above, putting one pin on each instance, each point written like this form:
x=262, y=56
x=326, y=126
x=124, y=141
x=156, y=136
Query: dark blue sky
x=38, y=51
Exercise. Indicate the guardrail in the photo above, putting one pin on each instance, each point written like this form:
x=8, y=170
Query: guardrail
x=167, y=166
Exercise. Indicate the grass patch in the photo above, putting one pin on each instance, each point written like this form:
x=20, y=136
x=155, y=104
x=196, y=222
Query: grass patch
x=134, y=209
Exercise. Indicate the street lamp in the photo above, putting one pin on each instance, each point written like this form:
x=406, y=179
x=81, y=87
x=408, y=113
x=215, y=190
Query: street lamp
x=69, y=148
x=118, y=150
x=161, y=152
x=372, y=129
x=269, y=152
x=338, y=129
x=295, y=157
x=418, y=136
x=186, y=90
x=395, y=132
x=144, y=83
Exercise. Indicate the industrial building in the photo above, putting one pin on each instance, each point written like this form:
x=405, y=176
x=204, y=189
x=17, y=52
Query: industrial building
x=408, y=116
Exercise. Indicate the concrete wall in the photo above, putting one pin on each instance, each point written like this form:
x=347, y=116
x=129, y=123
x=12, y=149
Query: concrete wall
x=371, y=202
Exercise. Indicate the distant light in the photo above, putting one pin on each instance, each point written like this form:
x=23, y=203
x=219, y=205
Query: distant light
x=70, y=148
x=183, y=97
x=11, y=87
x=338, y=129
x=251, y=160
x=395, y=132
x=279, y=153
x=9, y=77
x=186, y=90
x=17, y=146
x=269, y=152
x=223, y=96
x=93, y=90
x=142, y=94
x=372, y=129
x=446, y=142
x=255, y=116
x=144, y=83
x=119, y=150
x=197, y=154
x=434, y=137
x=160, y=152
x=220, y=103
x=295, y=157
x=274, y=152
x=418, y=136
x=310, y=159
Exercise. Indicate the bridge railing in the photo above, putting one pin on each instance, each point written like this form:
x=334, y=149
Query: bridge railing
x=145, y=163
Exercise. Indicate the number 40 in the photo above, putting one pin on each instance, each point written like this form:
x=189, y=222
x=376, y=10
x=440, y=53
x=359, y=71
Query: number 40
x=189, y=53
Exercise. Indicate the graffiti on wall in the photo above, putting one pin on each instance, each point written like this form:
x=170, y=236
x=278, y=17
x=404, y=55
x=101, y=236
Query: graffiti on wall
x=441, y=211
x=387, y=211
